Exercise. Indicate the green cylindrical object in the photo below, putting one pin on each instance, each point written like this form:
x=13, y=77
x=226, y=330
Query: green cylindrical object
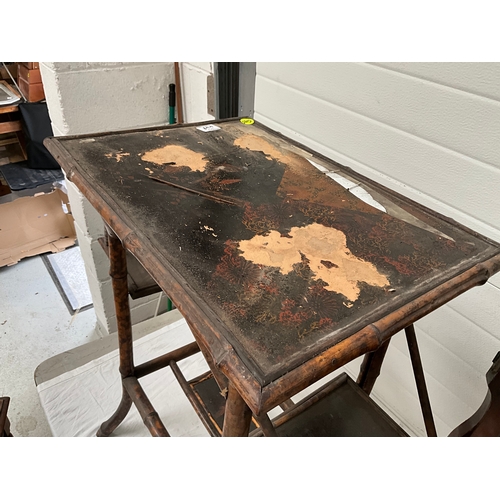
x=171, y=103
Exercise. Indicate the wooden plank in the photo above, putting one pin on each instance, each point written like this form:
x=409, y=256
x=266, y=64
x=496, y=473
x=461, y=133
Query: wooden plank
x=7, y=127
x=8, y=109
x=10, y=140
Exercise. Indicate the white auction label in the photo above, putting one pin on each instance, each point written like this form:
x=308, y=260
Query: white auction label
x=208, y=128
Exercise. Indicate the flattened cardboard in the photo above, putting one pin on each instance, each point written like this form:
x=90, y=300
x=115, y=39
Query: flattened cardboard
x=34, y=225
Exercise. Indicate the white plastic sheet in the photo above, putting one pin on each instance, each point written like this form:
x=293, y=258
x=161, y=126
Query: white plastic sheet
x=78, y=401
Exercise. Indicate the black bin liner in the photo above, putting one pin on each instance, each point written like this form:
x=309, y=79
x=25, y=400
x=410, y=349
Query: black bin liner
x=37, y=126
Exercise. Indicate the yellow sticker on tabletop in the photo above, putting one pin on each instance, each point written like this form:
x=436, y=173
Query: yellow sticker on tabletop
x=247, y=121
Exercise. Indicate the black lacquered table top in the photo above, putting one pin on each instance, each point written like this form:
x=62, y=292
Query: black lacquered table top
x=289, y=259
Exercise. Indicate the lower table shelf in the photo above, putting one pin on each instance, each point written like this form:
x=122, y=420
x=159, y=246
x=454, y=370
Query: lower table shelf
x=207, y=400
x=340, y=408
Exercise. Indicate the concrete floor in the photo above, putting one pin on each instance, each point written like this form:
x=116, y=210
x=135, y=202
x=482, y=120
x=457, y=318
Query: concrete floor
x=34, y=325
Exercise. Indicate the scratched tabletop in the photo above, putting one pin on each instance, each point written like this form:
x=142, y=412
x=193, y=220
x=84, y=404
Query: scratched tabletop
x=291, y=251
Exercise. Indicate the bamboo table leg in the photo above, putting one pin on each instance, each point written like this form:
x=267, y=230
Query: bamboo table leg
x=418, y=371
x=266, y=425
x=130, y=393
x=237, y=415
x=371, y=366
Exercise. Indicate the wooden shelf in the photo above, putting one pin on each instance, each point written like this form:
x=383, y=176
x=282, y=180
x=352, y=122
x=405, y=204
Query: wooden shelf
x=8, y=141
x=10, y=122
x=205, y=397
x=11, y=126
x=338, y=409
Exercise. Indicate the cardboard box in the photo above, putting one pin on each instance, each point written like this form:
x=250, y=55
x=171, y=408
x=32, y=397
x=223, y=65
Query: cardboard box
x=30, y=75
x=33, y=92
x=32, y=225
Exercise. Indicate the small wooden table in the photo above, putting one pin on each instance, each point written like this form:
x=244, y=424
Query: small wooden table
x=283, y=273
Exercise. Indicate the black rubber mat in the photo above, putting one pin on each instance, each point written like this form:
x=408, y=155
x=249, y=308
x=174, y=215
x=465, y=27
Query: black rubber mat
x=19, y=176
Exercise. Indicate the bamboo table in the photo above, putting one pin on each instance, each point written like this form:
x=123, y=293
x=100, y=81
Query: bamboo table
x=283, y=273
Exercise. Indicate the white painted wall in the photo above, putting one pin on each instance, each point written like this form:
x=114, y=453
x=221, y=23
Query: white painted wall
x=96, y=97
x=194, y=77
x=431, y=132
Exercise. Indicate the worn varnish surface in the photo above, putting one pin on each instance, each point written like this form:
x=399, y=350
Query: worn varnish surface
x=288, y=259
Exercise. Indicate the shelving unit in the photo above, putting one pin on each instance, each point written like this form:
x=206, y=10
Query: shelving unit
x=10, y=123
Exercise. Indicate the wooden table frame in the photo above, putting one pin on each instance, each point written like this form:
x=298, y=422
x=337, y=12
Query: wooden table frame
x=245, y=394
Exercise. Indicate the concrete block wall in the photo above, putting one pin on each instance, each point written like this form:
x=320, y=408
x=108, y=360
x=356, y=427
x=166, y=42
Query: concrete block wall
x=429, y=131
x=87, y=97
